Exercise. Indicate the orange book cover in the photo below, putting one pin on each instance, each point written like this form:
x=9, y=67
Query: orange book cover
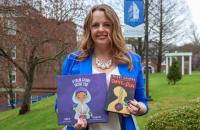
x=121, y=90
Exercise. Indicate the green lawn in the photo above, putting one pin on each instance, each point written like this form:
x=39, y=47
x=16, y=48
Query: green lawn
x=43, y=117
x=169, y=96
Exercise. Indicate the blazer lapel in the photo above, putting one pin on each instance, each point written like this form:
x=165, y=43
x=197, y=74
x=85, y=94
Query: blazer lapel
x=86, y=65
x=123, y=70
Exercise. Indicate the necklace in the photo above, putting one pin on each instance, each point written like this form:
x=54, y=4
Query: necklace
x=103, y=65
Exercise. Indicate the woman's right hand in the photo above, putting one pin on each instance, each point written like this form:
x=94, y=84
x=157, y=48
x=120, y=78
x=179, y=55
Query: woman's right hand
x=81, y=124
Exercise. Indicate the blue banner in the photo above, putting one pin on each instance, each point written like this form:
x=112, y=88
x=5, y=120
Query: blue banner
x=133, y=12
x=134, y=18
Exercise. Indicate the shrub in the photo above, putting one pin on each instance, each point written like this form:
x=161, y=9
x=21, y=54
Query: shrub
x=174, y=74
x=181, y=118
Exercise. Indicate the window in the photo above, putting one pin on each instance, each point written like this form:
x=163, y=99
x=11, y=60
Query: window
x=34, y=99
x=11, y=102
x=11, y=27
x=19, y=1
x=13, y=53
x=12, y=76
x=37, y=5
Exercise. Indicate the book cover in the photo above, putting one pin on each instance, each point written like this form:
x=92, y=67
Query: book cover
x=81, y=96
x=121, y=90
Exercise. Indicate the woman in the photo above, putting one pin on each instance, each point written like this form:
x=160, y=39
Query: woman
x=103, y=50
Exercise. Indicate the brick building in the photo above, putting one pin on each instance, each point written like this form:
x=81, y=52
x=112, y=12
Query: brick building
x=21, y=29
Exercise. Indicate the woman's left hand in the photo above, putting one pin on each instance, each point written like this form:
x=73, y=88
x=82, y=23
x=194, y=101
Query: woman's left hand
x=81, y=124
x=134, y=107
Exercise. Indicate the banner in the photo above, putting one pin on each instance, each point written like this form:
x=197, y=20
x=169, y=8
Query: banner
x=134, y=18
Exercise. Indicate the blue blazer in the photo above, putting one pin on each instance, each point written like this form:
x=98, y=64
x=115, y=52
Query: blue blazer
x=73, y=66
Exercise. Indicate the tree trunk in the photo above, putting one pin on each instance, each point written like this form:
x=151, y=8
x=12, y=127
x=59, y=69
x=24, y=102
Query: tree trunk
x=159, y=57
x=140, y=46
x=12, y=99
x=26, y=99
x=160, y=44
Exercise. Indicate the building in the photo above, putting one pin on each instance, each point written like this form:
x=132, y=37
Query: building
x=21, y=29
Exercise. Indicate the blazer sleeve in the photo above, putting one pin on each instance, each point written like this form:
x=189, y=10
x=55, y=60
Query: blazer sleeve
x=140, y=94
x=65, y=71
x=69, y=63
x=66, y=66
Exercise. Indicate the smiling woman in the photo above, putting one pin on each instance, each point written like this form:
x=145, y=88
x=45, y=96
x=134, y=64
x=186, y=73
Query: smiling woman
x=103, y=50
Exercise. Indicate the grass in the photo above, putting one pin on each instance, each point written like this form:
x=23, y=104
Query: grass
x=41, y=117
x=165, y=97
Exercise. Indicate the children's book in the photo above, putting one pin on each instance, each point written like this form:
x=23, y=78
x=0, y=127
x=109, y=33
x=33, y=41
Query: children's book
x=121, y=90
x=81, y=96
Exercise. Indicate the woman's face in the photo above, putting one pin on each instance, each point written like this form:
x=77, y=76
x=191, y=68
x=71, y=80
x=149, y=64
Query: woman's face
x=101, y=28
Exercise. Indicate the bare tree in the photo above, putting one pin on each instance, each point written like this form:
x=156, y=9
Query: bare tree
x=34, y=35
x=138, y=45
x=63, y=10
x=166, y=21
x=194, y=35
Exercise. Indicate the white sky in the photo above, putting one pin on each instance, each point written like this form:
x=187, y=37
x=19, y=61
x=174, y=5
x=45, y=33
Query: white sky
x=194, y=6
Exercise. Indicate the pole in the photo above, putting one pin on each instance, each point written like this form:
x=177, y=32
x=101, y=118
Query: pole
x=147, y=49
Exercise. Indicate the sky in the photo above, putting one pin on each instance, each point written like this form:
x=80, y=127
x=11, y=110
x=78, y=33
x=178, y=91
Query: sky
x=194, y=6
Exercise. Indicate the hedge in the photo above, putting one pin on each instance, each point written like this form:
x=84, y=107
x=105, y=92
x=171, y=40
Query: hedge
x=181, y=118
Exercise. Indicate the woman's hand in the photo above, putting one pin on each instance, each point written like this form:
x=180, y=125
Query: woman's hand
x=136, y=108
x=81, y=124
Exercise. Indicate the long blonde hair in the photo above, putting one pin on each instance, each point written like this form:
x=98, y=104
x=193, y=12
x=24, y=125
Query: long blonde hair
x=118, y=45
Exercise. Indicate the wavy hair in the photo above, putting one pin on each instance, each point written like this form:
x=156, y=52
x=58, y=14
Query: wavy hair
x=118, y=46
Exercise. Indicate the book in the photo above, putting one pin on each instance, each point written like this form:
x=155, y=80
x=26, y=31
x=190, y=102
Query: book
x=121, y=90
x=81, y=96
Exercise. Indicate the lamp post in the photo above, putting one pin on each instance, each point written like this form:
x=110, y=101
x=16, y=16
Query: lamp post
x=147, y=49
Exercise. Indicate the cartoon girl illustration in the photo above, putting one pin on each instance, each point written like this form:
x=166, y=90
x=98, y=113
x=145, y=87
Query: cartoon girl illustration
x=81, y=97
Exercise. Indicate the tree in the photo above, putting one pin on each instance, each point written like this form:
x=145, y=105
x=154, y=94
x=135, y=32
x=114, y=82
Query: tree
x=174, y=74
x=138, y=45
x=63, y=10
x=194, y=35
x=34, y=35
x=166, y=24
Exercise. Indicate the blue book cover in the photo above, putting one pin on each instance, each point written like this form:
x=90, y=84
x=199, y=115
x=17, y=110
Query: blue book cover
x=81, y=96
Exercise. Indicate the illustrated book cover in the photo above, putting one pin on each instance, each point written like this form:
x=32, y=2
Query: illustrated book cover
x=81, y=96
x=121, y=90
